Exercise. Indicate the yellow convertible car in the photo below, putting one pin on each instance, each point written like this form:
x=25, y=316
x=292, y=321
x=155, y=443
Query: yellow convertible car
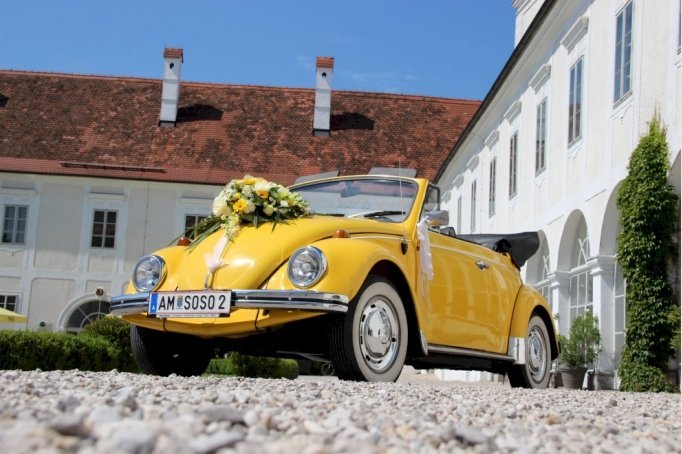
x=359, y=271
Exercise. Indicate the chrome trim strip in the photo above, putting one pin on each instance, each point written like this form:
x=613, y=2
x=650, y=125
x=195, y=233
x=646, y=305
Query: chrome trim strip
x=253, y=299
x=467, y=352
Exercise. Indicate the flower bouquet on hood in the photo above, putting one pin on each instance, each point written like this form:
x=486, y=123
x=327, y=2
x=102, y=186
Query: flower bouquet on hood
x=250, y=200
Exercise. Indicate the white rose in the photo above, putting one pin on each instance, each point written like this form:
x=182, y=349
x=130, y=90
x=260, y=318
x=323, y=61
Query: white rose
x=220, y=207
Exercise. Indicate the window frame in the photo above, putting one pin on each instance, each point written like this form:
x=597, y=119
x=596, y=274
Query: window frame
x=492, y=186
x=472, y=219
x=459, y=214
x=17, y=301
x=575, y=101
x=541, y=136
x=622, y=75
x=105, y=223
x=15, y=224
x=513, y=164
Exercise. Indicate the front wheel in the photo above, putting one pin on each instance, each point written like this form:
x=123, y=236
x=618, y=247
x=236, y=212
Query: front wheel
x=161, y=353
x=536, y=371
x=370, y=342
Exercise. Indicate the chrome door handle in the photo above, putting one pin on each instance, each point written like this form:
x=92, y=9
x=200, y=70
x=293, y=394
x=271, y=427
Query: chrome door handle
x=482, y=265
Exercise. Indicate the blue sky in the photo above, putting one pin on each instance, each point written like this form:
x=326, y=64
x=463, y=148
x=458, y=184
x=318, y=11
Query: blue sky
x=448, y=48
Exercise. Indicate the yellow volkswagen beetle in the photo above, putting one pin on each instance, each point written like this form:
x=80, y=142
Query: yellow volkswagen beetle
x=366, y=275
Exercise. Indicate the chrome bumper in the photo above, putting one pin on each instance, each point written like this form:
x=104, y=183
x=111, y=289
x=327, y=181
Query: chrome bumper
x=252, y=299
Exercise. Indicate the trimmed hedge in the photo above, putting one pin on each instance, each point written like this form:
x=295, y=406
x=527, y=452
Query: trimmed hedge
x=28, y=350
x=253, y=366
x=117, y=332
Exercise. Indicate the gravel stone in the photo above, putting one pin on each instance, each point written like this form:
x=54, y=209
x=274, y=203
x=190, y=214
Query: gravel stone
x=92, y=413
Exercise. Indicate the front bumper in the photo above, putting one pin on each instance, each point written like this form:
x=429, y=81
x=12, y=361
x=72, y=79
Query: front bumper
x=251, y=299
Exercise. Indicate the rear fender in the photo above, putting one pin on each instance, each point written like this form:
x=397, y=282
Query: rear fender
x=529, y=302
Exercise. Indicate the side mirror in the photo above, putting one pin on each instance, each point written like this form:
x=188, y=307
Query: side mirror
x=437, y=218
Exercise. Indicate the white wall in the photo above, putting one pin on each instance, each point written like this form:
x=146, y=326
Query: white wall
x=581, y=180
x=56, y=270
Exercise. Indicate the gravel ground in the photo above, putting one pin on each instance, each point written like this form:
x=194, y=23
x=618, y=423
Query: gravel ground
x=86, y=412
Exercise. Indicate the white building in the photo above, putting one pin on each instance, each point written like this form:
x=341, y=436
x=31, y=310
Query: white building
x=550, y=144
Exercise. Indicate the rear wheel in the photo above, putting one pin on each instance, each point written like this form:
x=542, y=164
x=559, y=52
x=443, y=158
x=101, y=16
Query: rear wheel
x=535, y=372
x=370, y=342
x=161, y=353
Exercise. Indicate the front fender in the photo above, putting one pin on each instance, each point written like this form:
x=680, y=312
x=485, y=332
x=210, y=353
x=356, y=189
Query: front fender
x=349, y=261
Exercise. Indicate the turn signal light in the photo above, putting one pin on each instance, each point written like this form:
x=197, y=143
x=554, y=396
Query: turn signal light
x=341, y=234
x=184, y=241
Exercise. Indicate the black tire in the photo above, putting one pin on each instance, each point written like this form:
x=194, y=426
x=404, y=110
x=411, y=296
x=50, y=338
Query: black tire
x=535, y=372
x=369, y=343
x=161, y=353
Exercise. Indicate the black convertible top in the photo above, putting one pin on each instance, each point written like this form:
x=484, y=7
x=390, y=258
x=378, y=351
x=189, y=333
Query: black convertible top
x=520, y=246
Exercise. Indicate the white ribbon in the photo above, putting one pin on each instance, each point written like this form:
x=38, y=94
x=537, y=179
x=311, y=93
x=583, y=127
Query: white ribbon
x=425, y=260
x=215, y=260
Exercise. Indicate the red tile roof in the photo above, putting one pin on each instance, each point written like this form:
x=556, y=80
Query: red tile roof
x=108, y=127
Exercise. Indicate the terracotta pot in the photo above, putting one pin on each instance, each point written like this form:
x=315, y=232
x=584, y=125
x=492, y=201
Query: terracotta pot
x=573, y=377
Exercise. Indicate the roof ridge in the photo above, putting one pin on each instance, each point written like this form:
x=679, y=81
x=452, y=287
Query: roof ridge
x=238, y=86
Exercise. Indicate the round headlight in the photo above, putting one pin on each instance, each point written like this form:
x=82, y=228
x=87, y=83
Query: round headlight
x=306, y=266
x=148, y=273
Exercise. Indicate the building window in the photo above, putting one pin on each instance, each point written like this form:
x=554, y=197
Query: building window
x=103, y=229
x=191, y=220
x=459, y=214
x=540, y=136
x=575, y=99
x=491, y=191
x=14, y=224
x=85, y=314
x=9, y=302
x=513, y=158
x=621, y=86
x=581, y=292
x=473, y=206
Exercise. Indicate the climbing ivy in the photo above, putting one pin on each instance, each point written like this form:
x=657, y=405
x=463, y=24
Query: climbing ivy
x=647, y=205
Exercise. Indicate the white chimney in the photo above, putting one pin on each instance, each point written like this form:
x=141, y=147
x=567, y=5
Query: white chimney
x=170, y=95
x=323, y=96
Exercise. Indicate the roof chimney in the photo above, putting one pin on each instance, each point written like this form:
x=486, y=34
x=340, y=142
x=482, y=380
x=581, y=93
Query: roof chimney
x=170, y=95
x=323, y=96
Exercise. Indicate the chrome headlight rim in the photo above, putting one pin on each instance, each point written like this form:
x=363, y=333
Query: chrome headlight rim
x=160, y=263
x=319, y=258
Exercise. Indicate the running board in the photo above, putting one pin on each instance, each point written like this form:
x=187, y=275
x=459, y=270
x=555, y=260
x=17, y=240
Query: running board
x=465, y=352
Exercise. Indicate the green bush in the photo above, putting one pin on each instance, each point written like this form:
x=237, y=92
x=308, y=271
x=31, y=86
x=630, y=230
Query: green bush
x=253, y=366
x=28, y=350
x=648, y=212
x=582, y=346
x=117, y=332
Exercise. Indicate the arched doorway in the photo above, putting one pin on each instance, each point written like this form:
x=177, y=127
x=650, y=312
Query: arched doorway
x=83, y=311
x=576, y=296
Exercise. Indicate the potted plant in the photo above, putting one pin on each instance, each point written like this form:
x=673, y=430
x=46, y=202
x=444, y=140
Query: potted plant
x=579, y=350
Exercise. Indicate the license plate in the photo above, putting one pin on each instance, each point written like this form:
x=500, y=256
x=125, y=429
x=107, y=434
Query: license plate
x=189, y=304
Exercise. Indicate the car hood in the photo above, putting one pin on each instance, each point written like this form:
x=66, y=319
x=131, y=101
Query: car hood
x=254, y=254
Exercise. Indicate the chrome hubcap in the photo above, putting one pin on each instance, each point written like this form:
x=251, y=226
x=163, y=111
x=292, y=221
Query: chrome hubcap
x=379, y=335
x=537, y=355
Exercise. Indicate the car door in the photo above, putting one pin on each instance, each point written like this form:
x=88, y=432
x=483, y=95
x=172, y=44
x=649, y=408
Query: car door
x=469, y=296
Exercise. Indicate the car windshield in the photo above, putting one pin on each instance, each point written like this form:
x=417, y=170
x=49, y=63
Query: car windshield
x=382, y=199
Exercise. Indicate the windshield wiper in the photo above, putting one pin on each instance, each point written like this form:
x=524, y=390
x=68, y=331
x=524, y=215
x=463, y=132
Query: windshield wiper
x=377, y=214
x=338, y=215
